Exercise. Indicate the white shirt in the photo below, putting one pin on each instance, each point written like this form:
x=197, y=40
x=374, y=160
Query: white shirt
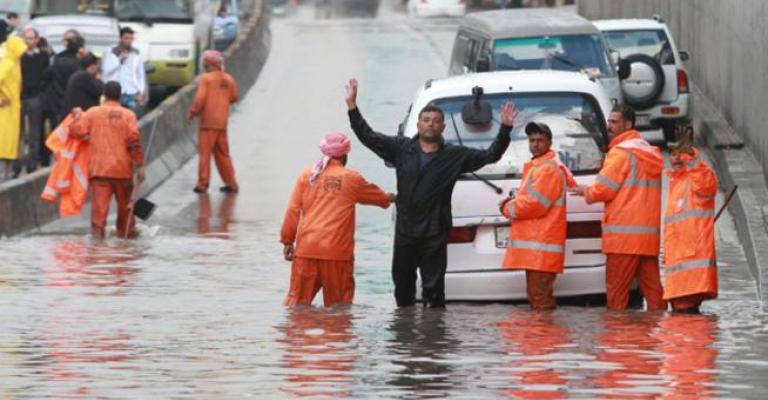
x=130, y=72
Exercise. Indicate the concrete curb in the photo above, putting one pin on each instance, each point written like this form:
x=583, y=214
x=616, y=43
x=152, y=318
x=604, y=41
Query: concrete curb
x=736, y=165
x=173, y=139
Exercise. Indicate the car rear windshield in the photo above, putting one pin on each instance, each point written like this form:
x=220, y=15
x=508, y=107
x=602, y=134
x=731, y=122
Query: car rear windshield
x=577, y=125
x=651, y=42
x=566, y=53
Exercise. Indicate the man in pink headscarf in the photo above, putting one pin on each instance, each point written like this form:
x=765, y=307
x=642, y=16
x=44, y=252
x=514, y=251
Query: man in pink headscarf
x=216, y=91
x=319, y=225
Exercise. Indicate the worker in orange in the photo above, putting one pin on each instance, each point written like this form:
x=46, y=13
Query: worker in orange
x=320, y=220
x=690, y=259
x=216, y=91
x=630, y=186
x=115, y=156
x=537, y=213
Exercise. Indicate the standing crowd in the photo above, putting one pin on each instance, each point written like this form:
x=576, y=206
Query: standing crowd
x=318, y=229
x=39, y=88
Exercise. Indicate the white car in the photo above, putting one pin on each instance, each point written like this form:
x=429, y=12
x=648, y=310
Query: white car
x=658, y=86
x=575, y=107
x=437, y=8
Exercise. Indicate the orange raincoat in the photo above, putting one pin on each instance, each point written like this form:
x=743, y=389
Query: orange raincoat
x=630, y=185
x=69, y=177
x=690, y=267
x=537, y=236
x=321, y=220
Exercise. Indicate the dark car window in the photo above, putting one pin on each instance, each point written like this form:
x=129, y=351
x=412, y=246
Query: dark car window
x=576, y=123
x=651, y=42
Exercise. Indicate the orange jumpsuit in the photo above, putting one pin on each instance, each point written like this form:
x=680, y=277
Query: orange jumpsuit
x=630, y=185
x=537, y=235
x=690, y=260
x=216, y=91
x=115, y=152
x=321, y=220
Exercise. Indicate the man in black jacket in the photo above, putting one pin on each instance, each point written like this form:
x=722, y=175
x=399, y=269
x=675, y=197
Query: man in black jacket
x=427, y=169
x=64, y=65
x=84, y=88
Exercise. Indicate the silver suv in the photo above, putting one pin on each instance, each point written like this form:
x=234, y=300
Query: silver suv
x=658, y=86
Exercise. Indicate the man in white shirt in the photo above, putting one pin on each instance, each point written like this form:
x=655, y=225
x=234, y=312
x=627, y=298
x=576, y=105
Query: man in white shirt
x=124, y=64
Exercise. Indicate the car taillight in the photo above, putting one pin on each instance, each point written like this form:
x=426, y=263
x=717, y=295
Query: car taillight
x=682, y=81
x=464, y=234
x=584, y=229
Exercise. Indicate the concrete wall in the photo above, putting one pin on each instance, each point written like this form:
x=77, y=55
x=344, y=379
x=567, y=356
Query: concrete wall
x=729, y=54
x=169, y=139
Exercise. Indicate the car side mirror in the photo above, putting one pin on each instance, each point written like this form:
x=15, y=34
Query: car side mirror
x=684, y=55
x=149, y=68
x=483, y=64
x=625, y=69
x=615, y=57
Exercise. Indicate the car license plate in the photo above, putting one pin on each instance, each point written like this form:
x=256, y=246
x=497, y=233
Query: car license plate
x=502, y=237
x=643, y=120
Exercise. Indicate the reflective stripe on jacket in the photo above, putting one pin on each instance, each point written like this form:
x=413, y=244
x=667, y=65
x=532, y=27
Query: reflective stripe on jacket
x=538, y=217
x=630, y=185
x=689, y=231
x=68, y=180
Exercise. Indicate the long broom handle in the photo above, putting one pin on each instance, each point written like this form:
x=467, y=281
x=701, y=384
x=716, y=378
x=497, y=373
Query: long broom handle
x=727, y=201
x=136, y=184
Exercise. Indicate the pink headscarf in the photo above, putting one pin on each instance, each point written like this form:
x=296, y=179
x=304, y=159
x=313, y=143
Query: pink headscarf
x=334, y=145
x=213, y=58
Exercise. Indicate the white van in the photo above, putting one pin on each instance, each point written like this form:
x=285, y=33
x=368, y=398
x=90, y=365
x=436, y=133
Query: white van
x=534, y=39
x=575, y=106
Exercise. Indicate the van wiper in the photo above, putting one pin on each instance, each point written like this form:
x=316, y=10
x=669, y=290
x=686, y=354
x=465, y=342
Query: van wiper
x=495, y=188
x=560, y=57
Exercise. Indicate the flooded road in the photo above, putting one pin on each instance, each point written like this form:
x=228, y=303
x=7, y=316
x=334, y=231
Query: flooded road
x=193, y=308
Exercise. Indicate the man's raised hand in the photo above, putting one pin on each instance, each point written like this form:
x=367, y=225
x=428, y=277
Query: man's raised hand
x=351, y=97
x=508, y=114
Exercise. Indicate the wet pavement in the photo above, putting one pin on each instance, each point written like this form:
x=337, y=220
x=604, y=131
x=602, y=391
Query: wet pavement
x=193, y=308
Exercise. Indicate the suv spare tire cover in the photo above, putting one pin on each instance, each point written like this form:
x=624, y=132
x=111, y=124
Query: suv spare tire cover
x=645, y=82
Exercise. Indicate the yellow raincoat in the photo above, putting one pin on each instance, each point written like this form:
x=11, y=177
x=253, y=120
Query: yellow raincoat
x=10, y=91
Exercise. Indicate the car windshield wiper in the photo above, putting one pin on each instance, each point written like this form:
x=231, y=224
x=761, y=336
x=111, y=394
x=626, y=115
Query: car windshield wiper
x=565, y=60
x=490, y=184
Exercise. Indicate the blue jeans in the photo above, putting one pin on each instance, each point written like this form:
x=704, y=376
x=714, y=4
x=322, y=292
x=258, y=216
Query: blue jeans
x=129, y=101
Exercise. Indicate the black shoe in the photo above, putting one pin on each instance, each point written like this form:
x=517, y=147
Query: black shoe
x=228, y=189
x=199, y=190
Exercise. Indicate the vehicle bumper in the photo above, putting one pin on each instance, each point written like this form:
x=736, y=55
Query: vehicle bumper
x=172, y=73
x=653, y=117
x=509, y=285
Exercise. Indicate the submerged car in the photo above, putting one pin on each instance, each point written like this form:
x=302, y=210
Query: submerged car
x=575, y=107
x=536, y=39
x=658, y=84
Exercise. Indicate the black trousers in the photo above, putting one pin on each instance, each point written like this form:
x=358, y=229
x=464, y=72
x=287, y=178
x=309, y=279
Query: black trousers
x=429, y=256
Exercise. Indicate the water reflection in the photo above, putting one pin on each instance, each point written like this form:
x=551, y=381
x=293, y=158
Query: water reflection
x=533, y=339
x=689, y=355
x=319, y=352
x=423, y=347
x=224, y=215
x=93, y=264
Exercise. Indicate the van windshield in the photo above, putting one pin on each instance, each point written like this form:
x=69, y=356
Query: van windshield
x=577, y=125
x=59, y=7
x=154, y=10
x=17, y=6
x=568, y=53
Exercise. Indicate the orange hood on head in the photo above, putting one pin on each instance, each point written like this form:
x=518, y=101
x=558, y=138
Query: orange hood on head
x=651, y=160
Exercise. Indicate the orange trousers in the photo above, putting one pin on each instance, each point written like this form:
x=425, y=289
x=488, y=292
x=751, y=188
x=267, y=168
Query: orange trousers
x=540, y=287
x=102, y=190
x=622, y=269
x=214, y=142
x=309, y=275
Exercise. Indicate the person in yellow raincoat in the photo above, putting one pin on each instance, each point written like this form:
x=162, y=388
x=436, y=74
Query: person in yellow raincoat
x=10, y=102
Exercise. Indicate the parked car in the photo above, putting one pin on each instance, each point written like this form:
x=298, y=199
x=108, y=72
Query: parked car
x=658, y=84
x=226, y=25
x=101, y=33
x=435, y=8
x=532, y=39
x=575, y=107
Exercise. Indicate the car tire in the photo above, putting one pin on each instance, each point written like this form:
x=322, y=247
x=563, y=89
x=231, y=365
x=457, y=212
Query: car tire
x=645, y=83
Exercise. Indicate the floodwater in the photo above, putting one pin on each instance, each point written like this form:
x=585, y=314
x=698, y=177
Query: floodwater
x=193, y=309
